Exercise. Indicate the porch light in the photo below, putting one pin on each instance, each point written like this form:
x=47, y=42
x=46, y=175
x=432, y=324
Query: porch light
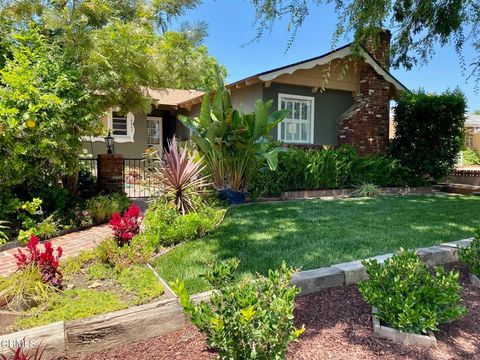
x=109, y=142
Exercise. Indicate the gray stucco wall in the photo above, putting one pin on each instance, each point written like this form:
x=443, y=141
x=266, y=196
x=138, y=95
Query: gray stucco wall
x=245, y=98
x=129, y=149
x=329, y=105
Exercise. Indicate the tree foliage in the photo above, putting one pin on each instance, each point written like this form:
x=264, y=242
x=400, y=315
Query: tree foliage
x=417, y=25
x=63, y=63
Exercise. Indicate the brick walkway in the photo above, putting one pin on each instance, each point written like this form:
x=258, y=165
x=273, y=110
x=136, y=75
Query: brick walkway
x=71, y=245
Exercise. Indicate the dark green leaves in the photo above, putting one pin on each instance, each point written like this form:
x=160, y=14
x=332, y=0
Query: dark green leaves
x=408, y=296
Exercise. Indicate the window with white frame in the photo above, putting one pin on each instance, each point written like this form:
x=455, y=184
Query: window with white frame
x=469, y=140
x=297, y=127
x=119, y=124
x=154, y=131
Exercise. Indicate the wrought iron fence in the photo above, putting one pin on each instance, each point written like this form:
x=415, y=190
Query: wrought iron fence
x=87, y=175
x=139, y=177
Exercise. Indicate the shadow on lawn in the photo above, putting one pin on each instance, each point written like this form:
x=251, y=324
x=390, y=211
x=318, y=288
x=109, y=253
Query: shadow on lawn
x=316, y=233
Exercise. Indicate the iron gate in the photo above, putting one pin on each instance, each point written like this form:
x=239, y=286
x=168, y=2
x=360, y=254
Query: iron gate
x=139, y=178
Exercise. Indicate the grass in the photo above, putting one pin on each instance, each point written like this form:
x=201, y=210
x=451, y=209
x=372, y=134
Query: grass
x=317, y=233
x=73, y=304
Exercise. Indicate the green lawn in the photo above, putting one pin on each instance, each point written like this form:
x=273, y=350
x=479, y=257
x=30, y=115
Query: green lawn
x=316, y=233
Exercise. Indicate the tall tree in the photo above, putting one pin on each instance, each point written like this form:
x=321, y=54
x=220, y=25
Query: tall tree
x=417, y=25
x=63, y=63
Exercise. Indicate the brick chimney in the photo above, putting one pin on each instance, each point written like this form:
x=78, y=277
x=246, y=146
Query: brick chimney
x=379, y=48
x=366, y=124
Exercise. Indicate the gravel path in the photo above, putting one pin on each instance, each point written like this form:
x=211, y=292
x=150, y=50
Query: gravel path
x=338, y=326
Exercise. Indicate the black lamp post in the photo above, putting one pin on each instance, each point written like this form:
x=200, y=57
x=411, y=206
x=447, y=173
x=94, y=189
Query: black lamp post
x=109, y=142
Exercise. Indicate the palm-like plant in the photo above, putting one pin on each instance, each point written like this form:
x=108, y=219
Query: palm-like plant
x=181, y=177
x=232, y=142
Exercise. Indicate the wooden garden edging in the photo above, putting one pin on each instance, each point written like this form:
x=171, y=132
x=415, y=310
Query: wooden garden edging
x=97, y=333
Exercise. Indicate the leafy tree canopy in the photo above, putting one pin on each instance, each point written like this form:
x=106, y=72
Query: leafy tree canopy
x=63, y=63
x=417, y=25
x=117, y=46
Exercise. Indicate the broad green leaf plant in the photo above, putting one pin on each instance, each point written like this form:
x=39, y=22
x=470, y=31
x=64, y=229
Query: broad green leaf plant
x=231, y=142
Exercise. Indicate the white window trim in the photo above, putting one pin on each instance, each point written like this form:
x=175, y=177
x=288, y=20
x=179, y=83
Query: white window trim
x=156, y=118
x=312, y=120
x=129, y=138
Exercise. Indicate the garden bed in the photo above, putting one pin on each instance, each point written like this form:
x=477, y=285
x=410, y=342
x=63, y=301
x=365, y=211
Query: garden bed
x=89, y=288
x=338, y=325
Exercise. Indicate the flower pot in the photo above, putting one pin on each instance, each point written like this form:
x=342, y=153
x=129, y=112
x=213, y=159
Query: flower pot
x=224, y=194
x=233, y=197
x=238, y=197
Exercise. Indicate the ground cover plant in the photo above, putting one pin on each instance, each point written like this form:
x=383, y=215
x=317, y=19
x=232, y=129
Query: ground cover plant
x=410, y=297
x=316, y=233
x=311, y=169
x=253, y=320
x=470, y=255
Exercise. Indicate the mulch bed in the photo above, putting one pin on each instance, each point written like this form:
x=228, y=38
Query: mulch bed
x=338, y=326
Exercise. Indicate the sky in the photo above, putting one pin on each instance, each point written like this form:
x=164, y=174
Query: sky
x=231, y=30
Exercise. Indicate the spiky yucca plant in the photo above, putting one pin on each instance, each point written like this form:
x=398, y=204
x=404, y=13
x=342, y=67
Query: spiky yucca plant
x=181, y=177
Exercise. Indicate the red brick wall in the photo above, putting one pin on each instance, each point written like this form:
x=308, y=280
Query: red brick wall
x=110, y=172
x=366, y=124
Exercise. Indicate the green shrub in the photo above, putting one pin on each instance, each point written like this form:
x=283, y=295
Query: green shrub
x=470, y=157
x=137, y=253
x=429, y=131
x=312, y=169
x=100, y=208
x=408, y=296
x=253, y=320
x=165, y=226
x=470, y=256
x=141, y=282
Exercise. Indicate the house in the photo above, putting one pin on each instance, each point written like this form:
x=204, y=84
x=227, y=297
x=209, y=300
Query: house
x=472, y=131
x=351, y=106
x=135, y=132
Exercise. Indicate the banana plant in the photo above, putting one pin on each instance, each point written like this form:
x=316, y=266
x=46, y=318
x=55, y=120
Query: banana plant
x=231, y=142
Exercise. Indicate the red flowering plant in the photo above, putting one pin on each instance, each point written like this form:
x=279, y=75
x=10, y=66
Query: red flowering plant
x=126, y=227
x=46, y=261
